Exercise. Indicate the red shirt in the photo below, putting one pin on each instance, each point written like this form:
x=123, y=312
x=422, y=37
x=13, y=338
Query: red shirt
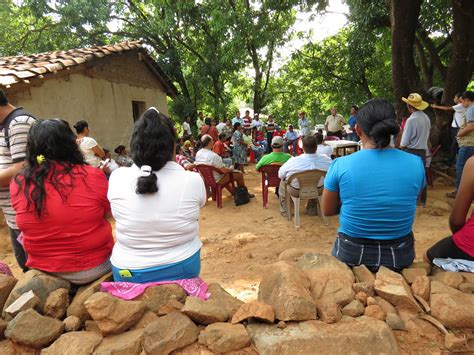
x=72, y=235
x=219, y=148
x=464, y=238
x=211, y=130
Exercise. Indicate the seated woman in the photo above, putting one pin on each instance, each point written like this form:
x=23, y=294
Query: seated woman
x=92, y=151
x=375, y=191
x=61, y=206
x=461, y=244
x=156, y=205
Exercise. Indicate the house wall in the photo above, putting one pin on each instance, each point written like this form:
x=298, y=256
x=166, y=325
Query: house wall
x=101, y=95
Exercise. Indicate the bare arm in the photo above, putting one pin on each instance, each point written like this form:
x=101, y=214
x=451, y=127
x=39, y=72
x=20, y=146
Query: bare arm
x=8, y=174
x=444, y=108
x=464, y=198
x=330, y=203
x=465, y=130
x=98, y=151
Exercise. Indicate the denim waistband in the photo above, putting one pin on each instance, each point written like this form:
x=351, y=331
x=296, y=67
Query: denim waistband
x=367, y=241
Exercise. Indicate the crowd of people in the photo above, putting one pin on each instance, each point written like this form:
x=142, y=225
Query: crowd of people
x=60, y=188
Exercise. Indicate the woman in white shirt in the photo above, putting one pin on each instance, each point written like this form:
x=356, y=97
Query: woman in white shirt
x=156, y=205
x=93, y=152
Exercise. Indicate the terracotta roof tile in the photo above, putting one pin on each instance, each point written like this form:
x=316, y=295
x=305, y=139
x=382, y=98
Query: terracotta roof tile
x=20, y=69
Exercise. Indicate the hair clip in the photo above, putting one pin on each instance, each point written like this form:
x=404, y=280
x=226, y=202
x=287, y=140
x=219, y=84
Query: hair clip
x=145, y=170
x=40, y=159
x=154, y=108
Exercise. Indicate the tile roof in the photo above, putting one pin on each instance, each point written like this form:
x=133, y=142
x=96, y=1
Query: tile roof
x=21, y=69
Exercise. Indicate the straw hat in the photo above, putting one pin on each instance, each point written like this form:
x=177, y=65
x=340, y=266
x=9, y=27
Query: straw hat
x=416, y=101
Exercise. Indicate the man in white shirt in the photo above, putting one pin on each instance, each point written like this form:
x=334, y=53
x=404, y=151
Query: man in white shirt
x=187, y=127
x=310, y=160
x=237, y=118
x=334, y=124
x=200, y=121
x=459, y=112
x=223, y=175
x=221, y=125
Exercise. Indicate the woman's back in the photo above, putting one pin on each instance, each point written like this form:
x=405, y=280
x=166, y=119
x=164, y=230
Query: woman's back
x=158, y=228
x=378, y=189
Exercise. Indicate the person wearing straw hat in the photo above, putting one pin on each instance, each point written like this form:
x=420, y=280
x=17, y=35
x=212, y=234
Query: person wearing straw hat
x=417, y=131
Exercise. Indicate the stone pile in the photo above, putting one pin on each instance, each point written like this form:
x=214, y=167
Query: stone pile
x=307, y=303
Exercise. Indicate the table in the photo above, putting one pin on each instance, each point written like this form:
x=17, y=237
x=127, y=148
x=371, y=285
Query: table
x=343, y=145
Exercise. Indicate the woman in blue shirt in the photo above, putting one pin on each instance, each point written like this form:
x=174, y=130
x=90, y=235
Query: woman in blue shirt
x=375, y=192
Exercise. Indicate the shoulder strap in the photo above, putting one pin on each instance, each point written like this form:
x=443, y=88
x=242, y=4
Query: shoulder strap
x=5, y=125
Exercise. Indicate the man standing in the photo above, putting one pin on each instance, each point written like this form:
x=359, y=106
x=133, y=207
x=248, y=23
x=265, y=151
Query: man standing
x=465, y=138
x=303, y=124
x=187, y=127
x=14, y=126
x=310, y=160
x=291, y=138
x=352, y=122
x=334, y=123
x=237, y=118
x=277, y=156
x=247, y=120
x=221, y=125
x=416, y=131
x=200, y=121
x=458, y=117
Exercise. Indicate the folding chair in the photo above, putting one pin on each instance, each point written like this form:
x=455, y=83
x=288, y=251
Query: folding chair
x=269, y=179
x=308, y=190
x=216, y=188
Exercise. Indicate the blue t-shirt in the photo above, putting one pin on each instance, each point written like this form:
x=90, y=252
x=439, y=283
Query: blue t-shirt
x=378, y=190
x=352, y=121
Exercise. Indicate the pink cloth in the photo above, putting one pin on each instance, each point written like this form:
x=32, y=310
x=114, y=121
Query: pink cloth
x=128, y=290
x=4, y=269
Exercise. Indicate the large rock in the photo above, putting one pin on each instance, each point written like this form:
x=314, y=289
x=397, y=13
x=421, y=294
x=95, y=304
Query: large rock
x=286, y=289
x=6, y=286
x=40, y=283
x=148, y=317
x=392, y=287
x=453, y=308
x=32, y=329
x=77, y=343
x=224, y=337
x=57, y=303
x=128, y=343
x=452, y=279
x=220, y=297
x=113, y=315
x=28, y=300
x=411, y=273
x=204, y=312
x=363, y=274
x=157, y=296
x=8, y=347
x=367, y=336
x=77, y=308
x=169, y=333
x=421, y=287
x=466, y=287
x=329, y=278
x=257, y=310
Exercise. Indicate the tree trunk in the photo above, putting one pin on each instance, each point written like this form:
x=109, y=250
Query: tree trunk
x=461, y=64
x=404, y=21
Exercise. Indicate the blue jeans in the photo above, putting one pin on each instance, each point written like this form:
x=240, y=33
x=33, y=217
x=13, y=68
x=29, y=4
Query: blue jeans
x=464, y=154
x=286, y=147
x=186, y=269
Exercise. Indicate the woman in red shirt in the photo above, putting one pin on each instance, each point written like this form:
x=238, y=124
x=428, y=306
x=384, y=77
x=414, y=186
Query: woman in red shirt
x=61, y=206
x=461, y=244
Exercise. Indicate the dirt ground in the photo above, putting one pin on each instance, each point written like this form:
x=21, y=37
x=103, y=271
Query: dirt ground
x=239, y=242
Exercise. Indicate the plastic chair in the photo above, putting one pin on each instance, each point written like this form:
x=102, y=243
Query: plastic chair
x=429, y=173
x=251, y=154
x=207, y=175
x=269, y=179
x=308, y=190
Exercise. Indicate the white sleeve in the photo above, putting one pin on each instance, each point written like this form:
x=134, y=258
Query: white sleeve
x=89, y=143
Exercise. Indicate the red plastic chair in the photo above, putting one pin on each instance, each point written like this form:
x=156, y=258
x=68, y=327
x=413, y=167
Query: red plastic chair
x=332, y=138
x=207, y=175
x=429, y=173
x=251, y=155
x=269, y=179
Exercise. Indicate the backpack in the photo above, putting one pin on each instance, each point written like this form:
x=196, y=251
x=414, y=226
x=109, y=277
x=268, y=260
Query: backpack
x=241, y=195
x=5, y=125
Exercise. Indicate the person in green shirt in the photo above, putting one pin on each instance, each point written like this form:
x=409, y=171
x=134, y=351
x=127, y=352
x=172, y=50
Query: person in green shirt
x=277, y=156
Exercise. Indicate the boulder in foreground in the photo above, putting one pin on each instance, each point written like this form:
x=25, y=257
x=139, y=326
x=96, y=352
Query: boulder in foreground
x=77, y=343
x=361, y=336
x=224, y=337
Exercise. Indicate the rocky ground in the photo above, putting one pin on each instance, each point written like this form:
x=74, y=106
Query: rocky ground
x=273, y=291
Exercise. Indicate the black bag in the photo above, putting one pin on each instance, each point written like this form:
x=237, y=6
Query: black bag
x=241, y=195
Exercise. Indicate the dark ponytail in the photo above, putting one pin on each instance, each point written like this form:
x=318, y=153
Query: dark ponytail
x=80, y=126
x=152, y=146
x=377, y=119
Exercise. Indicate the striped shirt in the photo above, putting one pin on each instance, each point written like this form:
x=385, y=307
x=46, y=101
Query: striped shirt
x=17, y=135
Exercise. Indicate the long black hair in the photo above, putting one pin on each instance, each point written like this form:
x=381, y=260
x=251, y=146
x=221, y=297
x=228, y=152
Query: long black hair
x=377, y=119
x=152, y=144
x=80, y=126
x=51, y=155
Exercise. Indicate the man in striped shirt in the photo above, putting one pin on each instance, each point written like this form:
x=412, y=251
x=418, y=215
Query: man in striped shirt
x=12, y=159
